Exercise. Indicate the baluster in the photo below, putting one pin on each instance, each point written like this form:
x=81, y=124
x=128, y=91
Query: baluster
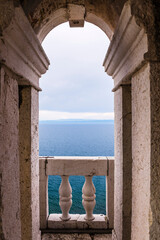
x=88, y=196
x=65, y=193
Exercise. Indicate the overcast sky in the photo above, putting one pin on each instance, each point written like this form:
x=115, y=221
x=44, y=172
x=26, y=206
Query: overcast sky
x=76, y=86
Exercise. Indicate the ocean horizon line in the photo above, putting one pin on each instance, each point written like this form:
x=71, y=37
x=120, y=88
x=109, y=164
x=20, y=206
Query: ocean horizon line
x=77, y=121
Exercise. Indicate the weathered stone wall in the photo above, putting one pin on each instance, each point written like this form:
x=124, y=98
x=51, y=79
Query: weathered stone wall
x=6, y=14
x=10, y=226
x=141, y=153
x=24, y=61
x=147, y=15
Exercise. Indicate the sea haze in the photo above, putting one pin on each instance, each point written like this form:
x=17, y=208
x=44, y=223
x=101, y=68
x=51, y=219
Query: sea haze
x=76, y=138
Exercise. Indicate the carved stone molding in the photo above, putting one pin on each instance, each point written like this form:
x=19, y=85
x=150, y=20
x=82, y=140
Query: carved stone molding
x=21, y=51
x=76, y=15
x=127, y=48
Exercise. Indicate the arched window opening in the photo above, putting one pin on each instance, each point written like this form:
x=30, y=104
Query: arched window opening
x=76, y=106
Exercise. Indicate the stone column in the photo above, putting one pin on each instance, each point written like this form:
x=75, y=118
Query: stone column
x=124, y=57
x=29, y=162
x=141, y=153
x=123, y=162
x=146, y=151
x=23, y=62
x=146, y=130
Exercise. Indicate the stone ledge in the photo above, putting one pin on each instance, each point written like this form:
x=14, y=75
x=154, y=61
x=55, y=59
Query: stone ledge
x=49, y=236
x=100, y=222
x=75, y=236
x=83, y=166
x=77, y=221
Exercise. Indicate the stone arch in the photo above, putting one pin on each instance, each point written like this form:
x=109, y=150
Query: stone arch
x=62, y=15
x=44, y=15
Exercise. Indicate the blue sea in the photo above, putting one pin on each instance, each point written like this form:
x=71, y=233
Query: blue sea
x=76, y=138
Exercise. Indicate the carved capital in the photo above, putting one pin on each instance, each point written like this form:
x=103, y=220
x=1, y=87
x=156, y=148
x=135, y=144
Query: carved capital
x=21, y=51
x=127, y=48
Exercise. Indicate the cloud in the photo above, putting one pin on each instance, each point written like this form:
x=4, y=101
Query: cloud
x=55, y=115
x=76, y=81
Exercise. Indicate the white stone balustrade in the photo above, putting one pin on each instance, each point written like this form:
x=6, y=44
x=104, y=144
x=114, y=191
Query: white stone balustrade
x=65, y=194
x=88, y=196
x=77, y=166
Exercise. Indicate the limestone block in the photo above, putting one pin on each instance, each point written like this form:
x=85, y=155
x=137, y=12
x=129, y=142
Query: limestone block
x=83, y=166
x=55, y=221
x=77, y=222
x=76, y=15
x=99, y=222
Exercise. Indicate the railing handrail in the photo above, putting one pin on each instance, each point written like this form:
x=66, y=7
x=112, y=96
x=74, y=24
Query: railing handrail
x=78, y=166
x=74, y=166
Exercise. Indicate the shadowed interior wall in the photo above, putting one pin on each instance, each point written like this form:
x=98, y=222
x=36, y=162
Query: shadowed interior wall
x=29, y=162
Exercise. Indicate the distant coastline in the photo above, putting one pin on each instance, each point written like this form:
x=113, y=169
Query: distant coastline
x=76, y=121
